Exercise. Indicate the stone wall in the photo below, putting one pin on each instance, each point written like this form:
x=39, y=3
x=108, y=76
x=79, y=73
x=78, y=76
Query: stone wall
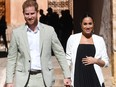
x=114, y=40
x=105, y=29
x=16, y=14
x=114, y=23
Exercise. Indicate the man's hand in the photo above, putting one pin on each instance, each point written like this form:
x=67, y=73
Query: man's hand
x=9, y=85
x=67, y=82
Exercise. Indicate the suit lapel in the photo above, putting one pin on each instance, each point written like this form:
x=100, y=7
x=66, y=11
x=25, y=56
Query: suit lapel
x=24, y=34
x=42, y=34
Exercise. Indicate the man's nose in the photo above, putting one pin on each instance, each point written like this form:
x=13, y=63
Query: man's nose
x=29, y=16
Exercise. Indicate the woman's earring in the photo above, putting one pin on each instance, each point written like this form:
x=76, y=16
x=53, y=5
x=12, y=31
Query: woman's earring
x=93, y=31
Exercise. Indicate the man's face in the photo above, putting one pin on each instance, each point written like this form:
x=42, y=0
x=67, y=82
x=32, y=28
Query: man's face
x=30, y=15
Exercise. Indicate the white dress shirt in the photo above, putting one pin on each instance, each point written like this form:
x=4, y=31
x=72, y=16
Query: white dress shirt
x=33, y=40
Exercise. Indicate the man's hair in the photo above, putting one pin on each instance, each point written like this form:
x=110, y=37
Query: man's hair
x=29, y=3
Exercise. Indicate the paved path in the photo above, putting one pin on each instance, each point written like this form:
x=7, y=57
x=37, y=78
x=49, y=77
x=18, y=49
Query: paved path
x=58, y=73
x=2, y=71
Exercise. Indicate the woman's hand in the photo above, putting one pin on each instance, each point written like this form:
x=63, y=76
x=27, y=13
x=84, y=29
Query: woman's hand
x=89, y=60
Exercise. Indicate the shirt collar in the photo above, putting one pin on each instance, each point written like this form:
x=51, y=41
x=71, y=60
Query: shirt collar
x=29, y=30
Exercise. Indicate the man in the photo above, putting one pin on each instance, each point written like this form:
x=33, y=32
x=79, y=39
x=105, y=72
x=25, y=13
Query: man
x=29, y=58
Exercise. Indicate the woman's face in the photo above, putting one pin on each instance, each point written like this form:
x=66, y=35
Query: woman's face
x=87, y=25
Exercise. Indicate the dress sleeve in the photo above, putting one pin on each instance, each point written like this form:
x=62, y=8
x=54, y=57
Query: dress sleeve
x=104, y=54
x=68, y=50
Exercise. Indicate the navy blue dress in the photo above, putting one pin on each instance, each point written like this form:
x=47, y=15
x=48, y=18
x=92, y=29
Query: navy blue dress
x=85, y=76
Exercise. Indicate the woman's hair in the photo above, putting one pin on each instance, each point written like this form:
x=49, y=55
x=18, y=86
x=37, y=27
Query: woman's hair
x=29, y=3
x=86, y=15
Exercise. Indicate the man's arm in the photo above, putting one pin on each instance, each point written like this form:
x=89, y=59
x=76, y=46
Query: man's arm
x=11, y=60
x=60, y=55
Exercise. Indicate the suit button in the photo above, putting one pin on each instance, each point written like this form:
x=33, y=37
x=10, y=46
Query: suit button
x=29, y=61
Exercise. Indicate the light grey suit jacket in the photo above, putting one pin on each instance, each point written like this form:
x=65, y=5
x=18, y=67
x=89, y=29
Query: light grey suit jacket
x=19, y=60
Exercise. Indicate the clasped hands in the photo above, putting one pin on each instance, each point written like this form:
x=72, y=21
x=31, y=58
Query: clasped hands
x=67, y=82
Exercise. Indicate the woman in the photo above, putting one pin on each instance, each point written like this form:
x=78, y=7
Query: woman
x=86, y=53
